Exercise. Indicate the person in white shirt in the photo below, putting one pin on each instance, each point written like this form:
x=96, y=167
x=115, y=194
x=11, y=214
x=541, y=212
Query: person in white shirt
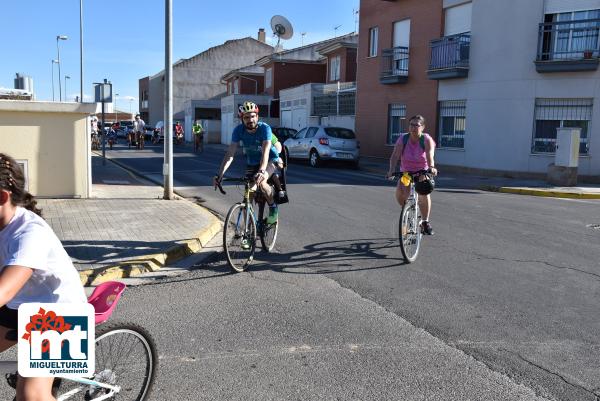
x=34, y=266
x=139, y=127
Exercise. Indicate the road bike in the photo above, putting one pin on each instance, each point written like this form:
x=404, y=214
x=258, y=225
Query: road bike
x=126, y=357
x=242, y=226
x=409, y=230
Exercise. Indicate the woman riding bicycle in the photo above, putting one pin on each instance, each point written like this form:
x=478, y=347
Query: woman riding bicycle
x=34, y=267
x=415, y=151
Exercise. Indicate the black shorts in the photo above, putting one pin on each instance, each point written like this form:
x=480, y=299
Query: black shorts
x=9, y=318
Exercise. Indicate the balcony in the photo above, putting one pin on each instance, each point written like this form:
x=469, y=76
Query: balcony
x=568, y=46
x=450, y=57
x=394, y=65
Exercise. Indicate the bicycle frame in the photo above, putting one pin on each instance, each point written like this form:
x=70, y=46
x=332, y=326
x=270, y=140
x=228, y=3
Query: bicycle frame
x=247, y=200
x=8, y=367
x=103, y=311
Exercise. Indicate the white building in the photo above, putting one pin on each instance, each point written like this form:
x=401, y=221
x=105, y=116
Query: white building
x=529, y=70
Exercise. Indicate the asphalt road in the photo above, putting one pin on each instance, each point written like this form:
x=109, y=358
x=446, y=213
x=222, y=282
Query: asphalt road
x=502, y=303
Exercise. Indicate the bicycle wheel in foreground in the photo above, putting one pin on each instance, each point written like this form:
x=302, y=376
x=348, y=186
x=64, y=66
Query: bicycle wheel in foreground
x=410, y=231
x=268, y=232
x=239, y=237
x=126, y=357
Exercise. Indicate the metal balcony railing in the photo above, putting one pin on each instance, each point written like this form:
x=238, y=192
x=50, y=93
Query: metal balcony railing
x=574, y=43
x=450, y=52
x=394, y=65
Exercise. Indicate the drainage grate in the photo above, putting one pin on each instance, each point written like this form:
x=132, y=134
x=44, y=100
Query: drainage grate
x=594, y=226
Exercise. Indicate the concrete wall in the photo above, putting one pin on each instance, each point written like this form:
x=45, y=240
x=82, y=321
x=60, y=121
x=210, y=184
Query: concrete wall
x=339, y=121
x=501, y=90
x=199, y=77
x=54, y=139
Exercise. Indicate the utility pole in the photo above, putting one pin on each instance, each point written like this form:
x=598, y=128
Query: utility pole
x=168, y=118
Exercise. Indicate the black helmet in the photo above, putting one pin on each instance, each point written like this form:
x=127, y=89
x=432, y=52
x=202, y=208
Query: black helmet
x=426, y=186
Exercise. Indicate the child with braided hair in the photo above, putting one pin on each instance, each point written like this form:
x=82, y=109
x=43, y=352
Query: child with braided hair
x=34, y=267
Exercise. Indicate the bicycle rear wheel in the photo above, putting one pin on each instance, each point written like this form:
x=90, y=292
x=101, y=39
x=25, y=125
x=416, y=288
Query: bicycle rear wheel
x=410, y=231
x=126, y=357
x=239, y=237
x=268, y=232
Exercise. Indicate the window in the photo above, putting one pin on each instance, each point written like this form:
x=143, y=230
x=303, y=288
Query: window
x=229, y=88
x=452, y=123
x=311, y=132
x=334, y=68
x=24, y=164
x=268, y=77
x=396, y=123
x=553, y=113
x=572, y=40
x=236, y=86
x=373, y=38
x=401, y=43
x=301, y=134
x=342, y=133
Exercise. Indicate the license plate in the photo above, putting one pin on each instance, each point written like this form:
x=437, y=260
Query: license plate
x=345, y=156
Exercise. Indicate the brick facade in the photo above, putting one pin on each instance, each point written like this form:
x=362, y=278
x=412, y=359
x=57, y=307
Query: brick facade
x=419, y=93
x=290, y=74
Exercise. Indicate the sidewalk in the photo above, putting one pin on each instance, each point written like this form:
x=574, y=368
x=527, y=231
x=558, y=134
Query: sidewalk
x=126, y=228
x=497, y=184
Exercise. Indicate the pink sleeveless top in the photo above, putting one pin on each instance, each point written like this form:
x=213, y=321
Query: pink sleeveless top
x=413, y=157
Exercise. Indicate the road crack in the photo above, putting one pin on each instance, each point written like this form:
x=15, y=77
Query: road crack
x=548, y=264
x=593, y=392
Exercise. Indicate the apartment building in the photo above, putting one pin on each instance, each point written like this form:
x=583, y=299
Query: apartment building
x=505, y=76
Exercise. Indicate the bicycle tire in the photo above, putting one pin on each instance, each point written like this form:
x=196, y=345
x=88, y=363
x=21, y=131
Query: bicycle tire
x=118, y=368
x=409, y=231
x=238, y=257
x=268, y=232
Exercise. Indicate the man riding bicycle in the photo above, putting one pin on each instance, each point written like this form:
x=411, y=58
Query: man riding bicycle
x=415, y=151
x=255, y=139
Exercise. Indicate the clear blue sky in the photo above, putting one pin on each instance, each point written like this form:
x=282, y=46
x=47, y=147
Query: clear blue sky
x=124, y=40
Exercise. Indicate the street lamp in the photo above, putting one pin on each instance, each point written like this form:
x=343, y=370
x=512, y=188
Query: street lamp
x=59, y=37
x=66, y=96
x=116, y=110
x=53, y=62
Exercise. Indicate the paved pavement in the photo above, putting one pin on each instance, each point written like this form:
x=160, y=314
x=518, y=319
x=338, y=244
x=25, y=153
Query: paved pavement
x=126, y=228
x=499, y=184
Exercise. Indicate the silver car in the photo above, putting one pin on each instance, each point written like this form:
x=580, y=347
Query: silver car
x=319, y=143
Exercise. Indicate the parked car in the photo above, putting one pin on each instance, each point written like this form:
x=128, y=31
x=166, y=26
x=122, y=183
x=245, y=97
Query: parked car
x=283, y=133
x=126, y=125
x=319, y=143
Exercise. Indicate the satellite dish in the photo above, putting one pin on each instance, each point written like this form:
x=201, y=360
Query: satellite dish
x=282, y=28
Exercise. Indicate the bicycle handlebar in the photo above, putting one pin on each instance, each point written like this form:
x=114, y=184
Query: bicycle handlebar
x=241, y=179
x=399, y=174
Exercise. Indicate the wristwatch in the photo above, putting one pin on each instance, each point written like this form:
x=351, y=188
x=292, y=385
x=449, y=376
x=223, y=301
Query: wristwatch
x=261, y=171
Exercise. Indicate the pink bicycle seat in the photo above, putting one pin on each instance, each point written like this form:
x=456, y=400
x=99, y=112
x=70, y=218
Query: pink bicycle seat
x=105, y=298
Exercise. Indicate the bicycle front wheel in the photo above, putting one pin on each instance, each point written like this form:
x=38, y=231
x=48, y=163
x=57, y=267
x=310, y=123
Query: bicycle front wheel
x=125, y=357
x=239, y=237
x=268, y=232
x=410, y=231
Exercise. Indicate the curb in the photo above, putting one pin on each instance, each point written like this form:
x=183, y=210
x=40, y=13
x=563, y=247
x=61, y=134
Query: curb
x=153, y=262
x=548, y=193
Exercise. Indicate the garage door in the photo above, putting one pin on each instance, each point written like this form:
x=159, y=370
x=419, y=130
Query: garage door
x=286, y=118
x=226, y=128
x=299, y=118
